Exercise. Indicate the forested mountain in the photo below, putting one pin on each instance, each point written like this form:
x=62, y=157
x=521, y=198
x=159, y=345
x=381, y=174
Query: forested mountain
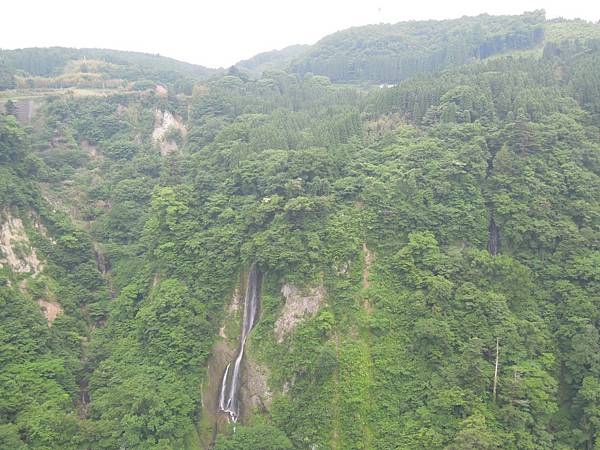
x=387, y=53
x=273, y=60
x=406, y=267
x=92, y=67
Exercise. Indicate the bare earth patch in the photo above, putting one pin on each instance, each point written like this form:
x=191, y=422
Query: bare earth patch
x=50, y=310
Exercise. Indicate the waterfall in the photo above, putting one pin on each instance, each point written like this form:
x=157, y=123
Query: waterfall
x=230, y=385
x=494, y=238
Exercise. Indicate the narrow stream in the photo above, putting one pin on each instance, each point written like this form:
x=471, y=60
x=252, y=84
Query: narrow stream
x=230, y=385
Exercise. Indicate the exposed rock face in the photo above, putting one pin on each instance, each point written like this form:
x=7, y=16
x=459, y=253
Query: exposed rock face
x=223, y=352
x=15, y=248
x=50, y=309
x=255, y=391
x=298, y=305
x=164, y=123
x=16, y=252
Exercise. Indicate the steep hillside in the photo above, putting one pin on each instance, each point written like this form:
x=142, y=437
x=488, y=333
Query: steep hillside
x=52, y=294
x=387, y=53
x=289, y=263
x=273, y=60
x=91, y=67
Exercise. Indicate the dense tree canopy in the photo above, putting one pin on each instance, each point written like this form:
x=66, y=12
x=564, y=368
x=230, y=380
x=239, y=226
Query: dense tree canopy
x=452, y=223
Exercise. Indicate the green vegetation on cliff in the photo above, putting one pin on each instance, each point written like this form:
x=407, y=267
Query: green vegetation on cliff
x=446, y=231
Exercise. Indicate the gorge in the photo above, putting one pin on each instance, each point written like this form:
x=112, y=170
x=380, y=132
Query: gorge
x=386, y=240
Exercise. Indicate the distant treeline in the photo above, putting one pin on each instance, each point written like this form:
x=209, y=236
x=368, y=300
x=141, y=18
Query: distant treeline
x=51, y=62
x=390, y=53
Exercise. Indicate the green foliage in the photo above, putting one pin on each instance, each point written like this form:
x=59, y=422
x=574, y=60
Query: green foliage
x=7, y=77
x=11, y=139
x=249, y=438
x=387, y=200
x=172, y=326
x=140, y=413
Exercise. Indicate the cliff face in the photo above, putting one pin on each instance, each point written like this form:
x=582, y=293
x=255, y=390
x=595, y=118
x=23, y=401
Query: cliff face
x=19, y=255
x=16, y=250
x=299, y=305
x=256, y=395
x=167, y=128
x=212, y=421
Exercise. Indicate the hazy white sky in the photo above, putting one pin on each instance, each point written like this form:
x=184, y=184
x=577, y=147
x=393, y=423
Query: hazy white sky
x=221, y=32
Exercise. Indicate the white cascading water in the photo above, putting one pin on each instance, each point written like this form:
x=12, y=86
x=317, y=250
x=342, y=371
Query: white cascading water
x=230, y=385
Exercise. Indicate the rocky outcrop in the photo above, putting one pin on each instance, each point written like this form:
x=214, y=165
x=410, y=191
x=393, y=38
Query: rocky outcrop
x=298, y=306
x=164, y=124
x=15, y=248
x=16, y=252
